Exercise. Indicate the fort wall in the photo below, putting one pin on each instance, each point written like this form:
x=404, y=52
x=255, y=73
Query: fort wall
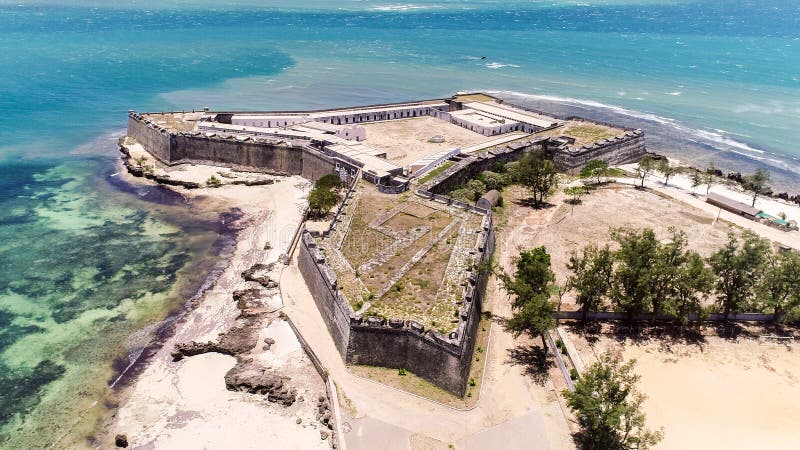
x=470, y=167
x=155, y=139
x=252, y=154
x=396, y=343
x=621, y=149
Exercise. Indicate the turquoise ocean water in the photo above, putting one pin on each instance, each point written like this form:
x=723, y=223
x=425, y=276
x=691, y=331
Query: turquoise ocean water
x=90, y=266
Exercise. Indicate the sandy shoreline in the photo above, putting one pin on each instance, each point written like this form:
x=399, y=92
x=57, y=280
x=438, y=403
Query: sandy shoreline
x=168, y=404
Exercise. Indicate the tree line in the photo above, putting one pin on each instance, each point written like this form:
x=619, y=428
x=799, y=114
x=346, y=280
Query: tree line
x=644, y=275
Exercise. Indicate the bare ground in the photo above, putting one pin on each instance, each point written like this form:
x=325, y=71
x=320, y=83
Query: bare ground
x=712, y=392
x=565, y=228
x=406, y=140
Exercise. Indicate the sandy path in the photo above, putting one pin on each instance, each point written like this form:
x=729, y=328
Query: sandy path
x=680, y=188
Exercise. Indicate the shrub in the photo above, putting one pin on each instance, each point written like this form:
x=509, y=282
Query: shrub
x=472, y=382
x=330, y=182
x=320, y=201
x=213, y=182
x=402, y=372
x=494, y=180
x=573, y=374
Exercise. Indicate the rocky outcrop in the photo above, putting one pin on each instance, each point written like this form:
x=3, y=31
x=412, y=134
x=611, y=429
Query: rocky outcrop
x=261, y=182
x=138, y=170
x=325, y=417
x=260, y=274
x=236, y=341
x=247, y=376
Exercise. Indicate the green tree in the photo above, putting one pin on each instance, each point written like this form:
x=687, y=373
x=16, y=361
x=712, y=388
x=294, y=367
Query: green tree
x=537, y=174
x=530, y=287
x=592, y=277
x=463, y=194
x=738, y=267
x=638, y=253
x=477, y=188
x=778, y=289
x=595, y=168
x=697, y=180
x=645, y=168
x=330, y=182
x=320, y=201
x=670, y=259
x=494, y=180
x=667, y=169
x=691, y=286
x=608, y=407
x=575, y=192
x=757, y=183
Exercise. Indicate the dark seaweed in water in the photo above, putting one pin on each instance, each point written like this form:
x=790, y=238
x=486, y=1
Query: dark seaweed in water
x=82, y=268
x=22, y=386
x=128, y=367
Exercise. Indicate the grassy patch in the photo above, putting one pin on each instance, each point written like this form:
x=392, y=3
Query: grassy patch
x=430, y=175
x=589, y=132
x=418, y=293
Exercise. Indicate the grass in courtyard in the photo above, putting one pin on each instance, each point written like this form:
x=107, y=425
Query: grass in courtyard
x=362, y=242
x=416, y=293
x=380, y=276
x=590, y=132
x=410, y=382
x=583, y=132
x=175, y=121
x=433, y=173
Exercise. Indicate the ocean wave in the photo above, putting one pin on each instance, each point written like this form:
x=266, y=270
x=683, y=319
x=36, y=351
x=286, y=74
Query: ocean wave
x=401, y=8
x=497, y=65
x=716, y=138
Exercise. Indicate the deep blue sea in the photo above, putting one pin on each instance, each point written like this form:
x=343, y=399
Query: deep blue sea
x=90, y=266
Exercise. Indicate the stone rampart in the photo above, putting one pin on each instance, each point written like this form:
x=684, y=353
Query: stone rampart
x=470, y=167
x=321, y=281
x=620, y=149
x=153, y=137
x=172, y=147
x=396, y=343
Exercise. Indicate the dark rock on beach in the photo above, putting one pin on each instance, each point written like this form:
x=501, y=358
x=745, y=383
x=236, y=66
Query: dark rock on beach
x=236, y=341
x=258, y=274
x=247, y=376
x=121, y=440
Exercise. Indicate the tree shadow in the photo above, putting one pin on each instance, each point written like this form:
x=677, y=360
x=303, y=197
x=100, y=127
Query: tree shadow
x=530, y=203
x=535, y=361
x=732, y=331
x=667, y=334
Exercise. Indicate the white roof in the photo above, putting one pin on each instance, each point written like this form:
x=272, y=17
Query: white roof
x=515, y=114
x=424, y=161
x=481, y=118
x=366, y=155
x=377, y=109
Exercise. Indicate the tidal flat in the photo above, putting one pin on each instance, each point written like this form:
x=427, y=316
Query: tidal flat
x=90, y=268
